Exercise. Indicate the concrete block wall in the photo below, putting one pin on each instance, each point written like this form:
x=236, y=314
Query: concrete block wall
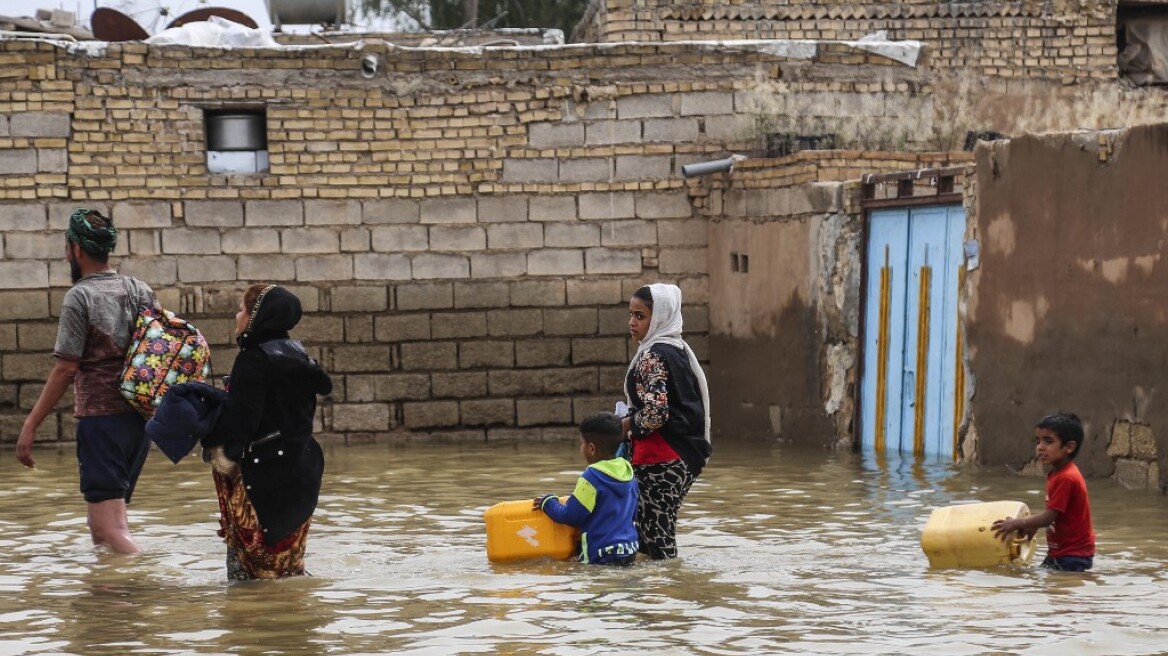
x=464, y=232
x=1006, y=39
x=433, y=339
x=464, y=248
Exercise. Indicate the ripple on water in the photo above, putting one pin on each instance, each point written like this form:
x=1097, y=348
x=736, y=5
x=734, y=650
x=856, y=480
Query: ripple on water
x=783, y=552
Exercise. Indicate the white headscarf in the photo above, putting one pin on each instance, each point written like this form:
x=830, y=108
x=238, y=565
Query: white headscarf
x=665, y=328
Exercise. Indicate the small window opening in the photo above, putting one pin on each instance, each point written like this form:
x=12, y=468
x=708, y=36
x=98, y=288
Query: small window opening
x=739, y=263
x=236, y=140
x=1141, y=39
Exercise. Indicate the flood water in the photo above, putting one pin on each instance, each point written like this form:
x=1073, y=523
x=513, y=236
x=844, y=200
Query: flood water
x=783, y=552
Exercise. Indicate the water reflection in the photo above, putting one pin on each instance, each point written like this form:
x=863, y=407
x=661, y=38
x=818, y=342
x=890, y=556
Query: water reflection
x=784, y=551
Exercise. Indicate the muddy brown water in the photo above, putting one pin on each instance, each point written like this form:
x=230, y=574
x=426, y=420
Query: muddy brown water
x=784, y=551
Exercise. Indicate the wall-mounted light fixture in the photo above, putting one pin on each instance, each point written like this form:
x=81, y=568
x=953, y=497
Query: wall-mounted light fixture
x=369, y=65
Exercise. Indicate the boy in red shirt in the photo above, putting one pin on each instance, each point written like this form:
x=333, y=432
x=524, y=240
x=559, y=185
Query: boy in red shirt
x=1067, y=518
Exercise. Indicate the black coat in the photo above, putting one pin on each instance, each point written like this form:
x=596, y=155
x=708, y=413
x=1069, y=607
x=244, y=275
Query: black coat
x=267, y=426
x=685, y=429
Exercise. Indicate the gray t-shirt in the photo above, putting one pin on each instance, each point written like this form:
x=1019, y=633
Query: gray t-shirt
x=94, y=331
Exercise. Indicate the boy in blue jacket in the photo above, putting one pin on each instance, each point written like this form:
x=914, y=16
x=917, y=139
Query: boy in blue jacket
x=605, y=498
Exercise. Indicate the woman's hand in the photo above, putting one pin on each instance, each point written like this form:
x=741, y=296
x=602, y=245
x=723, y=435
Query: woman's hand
x=221, y=463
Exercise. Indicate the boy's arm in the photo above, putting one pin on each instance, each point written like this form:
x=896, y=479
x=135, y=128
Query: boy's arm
x=1005, y=528
x=579, y=506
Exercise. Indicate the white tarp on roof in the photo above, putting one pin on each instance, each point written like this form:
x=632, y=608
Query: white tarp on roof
x=215, y=32
x=905, y=52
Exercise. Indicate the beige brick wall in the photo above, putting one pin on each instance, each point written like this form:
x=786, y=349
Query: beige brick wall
x=464, y=251
x=467, y=217
x=1006, y=39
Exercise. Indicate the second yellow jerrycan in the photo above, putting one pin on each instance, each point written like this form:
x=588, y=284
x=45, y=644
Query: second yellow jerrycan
x=961, y=536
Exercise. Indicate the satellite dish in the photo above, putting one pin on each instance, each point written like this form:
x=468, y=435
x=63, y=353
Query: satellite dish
x=112, y=25
x=207, y=12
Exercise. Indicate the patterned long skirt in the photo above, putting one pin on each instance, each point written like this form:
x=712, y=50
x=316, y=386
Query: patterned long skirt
x=247, y=555
x=662, y=487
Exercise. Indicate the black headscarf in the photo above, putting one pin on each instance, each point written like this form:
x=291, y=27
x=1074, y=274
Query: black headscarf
x=276, y=311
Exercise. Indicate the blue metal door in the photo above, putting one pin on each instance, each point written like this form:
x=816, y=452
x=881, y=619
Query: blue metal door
x=913, y=382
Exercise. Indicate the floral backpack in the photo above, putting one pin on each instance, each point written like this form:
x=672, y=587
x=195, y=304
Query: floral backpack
x=164, y=350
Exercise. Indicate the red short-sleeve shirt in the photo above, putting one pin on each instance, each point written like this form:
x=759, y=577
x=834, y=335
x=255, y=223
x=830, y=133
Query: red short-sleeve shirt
x=1071, y=534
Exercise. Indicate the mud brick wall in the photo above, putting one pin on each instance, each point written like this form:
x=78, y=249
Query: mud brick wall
x=1087, y=329
x=1009, y=39
x=464, y=229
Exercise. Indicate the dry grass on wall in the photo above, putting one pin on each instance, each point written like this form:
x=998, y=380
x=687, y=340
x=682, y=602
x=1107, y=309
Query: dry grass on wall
x=878, y=115
x=893, y=116
x=964, y=103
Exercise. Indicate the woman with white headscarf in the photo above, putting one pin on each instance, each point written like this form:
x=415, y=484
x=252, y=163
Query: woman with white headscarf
x=668, y=418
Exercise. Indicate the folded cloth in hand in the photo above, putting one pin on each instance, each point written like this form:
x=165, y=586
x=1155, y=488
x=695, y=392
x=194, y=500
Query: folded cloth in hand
x=186, y=414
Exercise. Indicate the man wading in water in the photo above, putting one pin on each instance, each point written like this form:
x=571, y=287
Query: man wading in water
x=92, y=338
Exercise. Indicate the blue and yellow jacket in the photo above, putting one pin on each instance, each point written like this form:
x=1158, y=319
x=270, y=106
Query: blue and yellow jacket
x=602, y=507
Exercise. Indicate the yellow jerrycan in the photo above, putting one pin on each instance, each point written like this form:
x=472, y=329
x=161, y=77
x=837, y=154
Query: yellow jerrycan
x=515, y=531
x=961, y=536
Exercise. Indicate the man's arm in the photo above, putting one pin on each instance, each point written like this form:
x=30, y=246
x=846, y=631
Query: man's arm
x=58, y=382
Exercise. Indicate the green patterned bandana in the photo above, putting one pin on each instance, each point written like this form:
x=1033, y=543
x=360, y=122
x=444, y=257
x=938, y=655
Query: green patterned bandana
x=98, y=241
